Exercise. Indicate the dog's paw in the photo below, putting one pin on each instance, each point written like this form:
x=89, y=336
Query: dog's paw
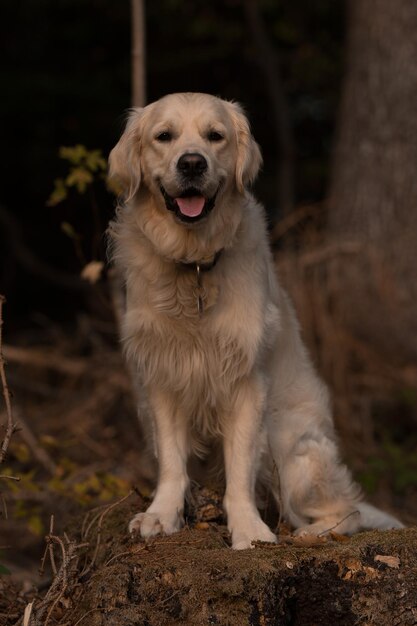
x=311, y=530
x=247, y=531
x=150, y=524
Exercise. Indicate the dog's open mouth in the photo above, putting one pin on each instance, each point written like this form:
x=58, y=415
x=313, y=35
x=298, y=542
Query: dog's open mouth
x=190, y=206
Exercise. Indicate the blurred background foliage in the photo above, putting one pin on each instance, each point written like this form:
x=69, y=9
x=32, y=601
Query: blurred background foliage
x=65, y=74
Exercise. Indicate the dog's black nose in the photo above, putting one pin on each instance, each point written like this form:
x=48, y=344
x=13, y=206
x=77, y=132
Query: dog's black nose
x=192, y=164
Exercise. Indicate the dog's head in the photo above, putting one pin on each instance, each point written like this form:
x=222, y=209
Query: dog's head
x=188, y=150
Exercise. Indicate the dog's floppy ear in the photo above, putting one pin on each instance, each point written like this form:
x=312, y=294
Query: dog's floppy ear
x=249, y=158
x=124, y=159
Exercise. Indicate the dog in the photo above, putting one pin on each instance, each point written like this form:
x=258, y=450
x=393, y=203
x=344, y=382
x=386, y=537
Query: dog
x=211, y=337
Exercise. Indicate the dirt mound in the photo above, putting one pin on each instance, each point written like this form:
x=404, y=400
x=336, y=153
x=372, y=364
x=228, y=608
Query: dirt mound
x=193, y=577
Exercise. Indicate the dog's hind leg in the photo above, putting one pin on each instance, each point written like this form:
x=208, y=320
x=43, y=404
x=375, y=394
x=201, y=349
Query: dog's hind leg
x=316, y=491
x=165, y=514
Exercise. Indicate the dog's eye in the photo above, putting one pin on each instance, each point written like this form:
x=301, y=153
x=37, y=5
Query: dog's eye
x=214, y=136
x=164, y=136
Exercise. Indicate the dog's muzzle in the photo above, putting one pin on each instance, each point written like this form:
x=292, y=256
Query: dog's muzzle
x=190, y=205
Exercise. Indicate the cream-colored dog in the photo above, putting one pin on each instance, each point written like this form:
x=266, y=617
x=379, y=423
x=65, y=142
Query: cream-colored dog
x=211, y=336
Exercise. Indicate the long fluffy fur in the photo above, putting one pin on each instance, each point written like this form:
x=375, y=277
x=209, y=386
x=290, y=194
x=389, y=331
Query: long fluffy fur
x=239, y=373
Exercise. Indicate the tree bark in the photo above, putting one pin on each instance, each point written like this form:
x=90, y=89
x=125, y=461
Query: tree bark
x=138, y=53
x=373, y=195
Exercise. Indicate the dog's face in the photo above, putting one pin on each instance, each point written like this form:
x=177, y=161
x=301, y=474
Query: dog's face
x=189, y=150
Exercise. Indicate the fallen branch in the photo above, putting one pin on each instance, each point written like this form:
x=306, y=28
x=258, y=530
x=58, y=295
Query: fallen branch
x=46, y=360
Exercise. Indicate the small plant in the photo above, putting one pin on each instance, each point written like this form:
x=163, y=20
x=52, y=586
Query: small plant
x=87, y=170
x=84, y=167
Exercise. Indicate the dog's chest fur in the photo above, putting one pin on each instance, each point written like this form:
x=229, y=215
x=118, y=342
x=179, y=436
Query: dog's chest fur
x=177, y=348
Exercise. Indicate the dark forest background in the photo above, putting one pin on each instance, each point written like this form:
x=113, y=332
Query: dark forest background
x=65, y=73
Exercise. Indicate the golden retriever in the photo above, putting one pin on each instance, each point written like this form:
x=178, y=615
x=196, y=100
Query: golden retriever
x=211, y=336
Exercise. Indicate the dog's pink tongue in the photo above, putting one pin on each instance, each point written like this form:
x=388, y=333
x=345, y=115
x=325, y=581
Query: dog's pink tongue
x=192, y=206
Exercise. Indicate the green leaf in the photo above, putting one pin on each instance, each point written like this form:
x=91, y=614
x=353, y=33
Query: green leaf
x=21, y=452
x=35, y=525
x=69, y=230
x=80, y=178
x=4, y=570
x=73, y=154
x=95, y=161
x=78, y=155
x=58, y=194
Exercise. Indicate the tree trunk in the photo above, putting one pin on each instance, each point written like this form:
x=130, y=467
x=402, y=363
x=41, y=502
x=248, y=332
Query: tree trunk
x=281, y=122
x=138, y=53
x=373, y=196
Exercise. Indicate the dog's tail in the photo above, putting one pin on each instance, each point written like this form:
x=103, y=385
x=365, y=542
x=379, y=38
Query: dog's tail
x=371, y=517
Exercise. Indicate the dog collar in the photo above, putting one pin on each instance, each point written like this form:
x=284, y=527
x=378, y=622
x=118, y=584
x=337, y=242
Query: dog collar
x=200, y=267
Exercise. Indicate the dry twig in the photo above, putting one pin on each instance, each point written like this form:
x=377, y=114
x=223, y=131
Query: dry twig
x=65, y=576
x=11, y=426
x=65, y=568
x=328, y=530
x=99, y=527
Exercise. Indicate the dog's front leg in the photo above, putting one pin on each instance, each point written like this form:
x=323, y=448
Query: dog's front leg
x=242, y=441
x=165, y=514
